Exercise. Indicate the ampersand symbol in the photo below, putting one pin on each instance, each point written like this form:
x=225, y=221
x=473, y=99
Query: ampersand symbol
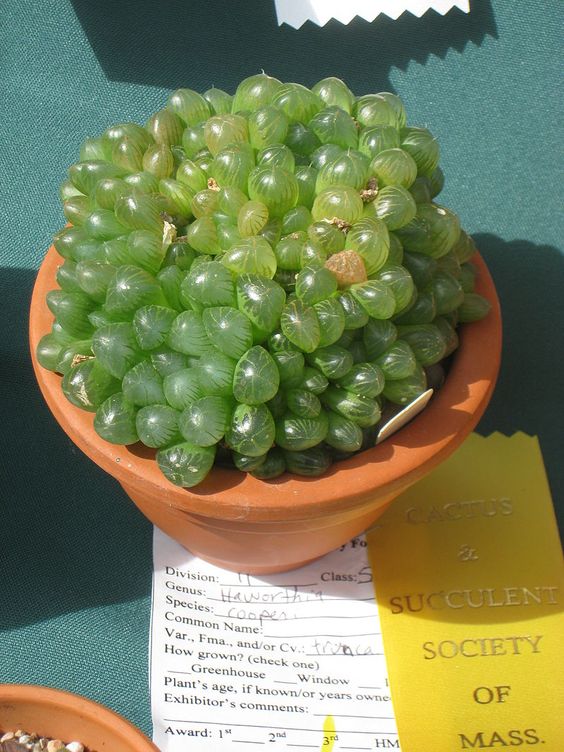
x=466, y=553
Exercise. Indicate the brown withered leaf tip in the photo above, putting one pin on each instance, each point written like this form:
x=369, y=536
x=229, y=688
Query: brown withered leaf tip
x=341, y=224
x=348, y=267
x=370, y=192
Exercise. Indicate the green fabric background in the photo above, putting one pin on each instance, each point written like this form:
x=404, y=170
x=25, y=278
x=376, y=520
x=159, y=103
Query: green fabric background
x=75, y=556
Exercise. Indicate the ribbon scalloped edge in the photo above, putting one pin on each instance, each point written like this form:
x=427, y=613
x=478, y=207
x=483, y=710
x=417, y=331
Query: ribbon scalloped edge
x=296, y=13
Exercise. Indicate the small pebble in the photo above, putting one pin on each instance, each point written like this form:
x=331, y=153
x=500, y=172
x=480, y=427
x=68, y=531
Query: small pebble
x=22, y=741
x=12, y=745
x=55, y=745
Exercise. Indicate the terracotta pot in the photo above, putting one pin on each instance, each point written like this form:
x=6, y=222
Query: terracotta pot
x=62, y=715
x=244, y=524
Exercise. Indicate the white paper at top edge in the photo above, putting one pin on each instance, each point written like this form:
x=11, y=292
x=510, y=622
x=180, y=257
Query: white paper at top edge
x=296, y=12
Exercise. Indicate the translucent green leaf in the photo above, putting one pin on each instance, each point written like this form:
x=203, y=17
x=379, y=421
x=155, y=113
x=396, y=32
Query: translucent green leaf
x=142, y=385
x=314, y=285
x=473, y=308
x=71, y=353
x=375, y=297
x=404, y=391
x=116, y=348
x=447, y=291
x=255, y=92
x=313, y=381
x=426, y=341
x=246, y=463
x=394, y=205
x=48, y=351
x=130, y=289
x=190, y=106
x=290, y=366
x=209, y=285
x=400, y=283
x=115, y=420
x=300, y=324
x=309, y=462
x=215, y=372
x=271, y=467
x=333, y=361
x=378, y=336
x=267, y=125
x=222, y=130
x=422, y=147
x=331, y=317
x=252, y=217
x=363, y=411
x=297, y=433
x=140, y=212
x=256, y=378
x=355, y=315
x=397, y=362
x=184, y=464
x=251, y=256
x=338, y=202
x=433, y=230
x=334, y=125
x=232, y=165
x=394, y=167
x=71, y=310
x=151, y=325
x=165, y=127
x=204, y=421
x=157, y=426
x=188, y=334
x=182, y=387
x=93, y=277
x=168, y=361
x=87, y=385
x=228, y=329
x=303, y=403
x=343, y=434
x=275, y=187
x=374, y=140
x=299, y=103
x=202, y=236
x=204, y=203
x=251, y=430
x=366, y=379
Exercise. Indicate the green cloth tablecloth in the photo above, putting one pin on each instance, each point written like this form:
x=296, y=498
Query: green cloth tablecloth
x=75, y=555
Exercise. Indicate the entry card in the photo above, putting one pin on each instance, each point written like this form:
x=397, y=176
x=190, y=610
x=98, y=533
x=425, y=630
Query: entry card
x=296, y=12
x=469, y=583
x=468, y=574
x=292, y=661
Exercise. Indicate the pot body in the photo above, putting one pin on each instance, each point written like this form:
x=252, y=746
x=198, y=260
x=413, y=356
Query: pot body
x=62, y=715
x=260, y=547
x=260, y=527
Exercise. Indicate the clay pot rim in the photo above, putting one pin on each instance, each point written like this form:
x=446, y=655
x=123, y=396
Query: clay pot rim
x=230, y=495
x=97, y=714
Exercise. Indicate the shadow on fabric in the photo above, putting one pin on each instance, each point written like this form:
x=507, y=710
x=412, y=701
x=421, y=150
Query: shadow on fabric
x=71, y=539
x=529, y=395
x=182, y=43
